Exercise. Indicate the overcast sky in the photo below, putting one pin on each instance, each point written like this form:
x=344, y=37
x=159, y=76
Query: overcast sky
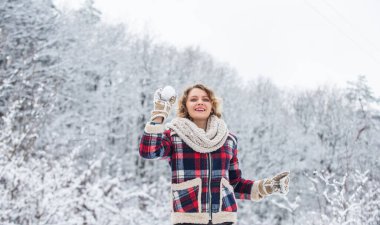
x=301, y=43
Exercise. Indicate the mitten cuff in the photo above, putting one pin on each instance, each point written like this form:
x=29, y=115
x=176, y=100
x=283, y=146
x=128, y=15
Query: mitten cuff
x=155, y=114
x=154, y=128
x=255, y=194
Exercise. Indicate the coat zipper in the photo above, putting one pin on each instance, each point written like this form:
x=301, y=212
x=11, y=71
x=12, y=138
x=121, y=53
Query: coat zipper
x=209, y=184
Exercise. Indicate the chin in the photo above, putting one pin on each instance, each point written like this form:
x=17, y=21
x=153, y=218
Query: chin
x=200, y=117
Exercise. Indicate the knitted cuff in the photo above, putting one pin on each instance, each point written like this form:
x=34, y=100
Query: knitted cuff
x=154, y=128
x=255, y=194
x=156, y=114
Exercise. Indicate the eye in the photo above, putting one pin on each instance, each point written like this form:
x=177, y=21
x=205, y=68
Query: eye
x=206, y=99
x=193, y=100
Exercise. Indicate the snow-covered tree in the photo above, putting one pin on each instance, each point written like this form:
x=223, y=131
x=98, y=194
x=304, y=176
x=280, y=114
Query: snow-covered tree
x=75, y=94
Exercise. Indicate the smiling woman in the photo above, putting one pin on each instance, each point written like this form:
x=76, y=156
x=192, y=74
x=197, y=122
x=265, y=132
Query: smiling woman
x=197, y=104
x=202, y=154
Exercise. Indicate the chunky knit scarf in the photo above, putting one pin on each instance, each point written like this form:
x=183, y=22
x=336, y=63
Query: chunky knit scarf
x=198, y=139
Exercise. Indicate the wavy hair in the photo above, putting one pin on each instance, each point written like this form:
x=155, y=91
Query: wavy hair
x=215, y=102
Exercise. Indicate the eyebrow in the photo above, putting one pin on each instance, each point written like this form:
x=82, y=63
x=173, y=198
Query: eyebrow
x=195, y=96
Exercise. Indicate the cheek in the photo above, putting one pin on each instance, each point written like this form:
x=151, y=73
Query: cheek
x=209, y=106
x=188, y=106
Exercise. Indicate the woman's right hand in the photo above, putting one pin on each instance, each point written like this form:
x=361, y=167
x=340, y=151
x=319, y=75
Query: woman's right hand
x=162, y=104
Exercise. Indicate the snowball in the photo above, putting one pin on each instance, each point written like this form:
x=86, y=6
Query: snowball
x=167, y=92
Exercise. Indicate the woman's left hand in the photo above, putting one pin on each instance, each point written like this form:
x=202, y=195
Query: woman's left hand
x=279, y=184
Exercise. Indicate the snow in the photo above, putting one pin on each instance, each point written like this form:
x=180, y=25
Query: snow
x=75, y=95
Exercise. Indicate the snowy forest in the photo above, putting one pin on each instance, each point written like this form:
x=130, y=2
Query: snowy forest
x=75, y=94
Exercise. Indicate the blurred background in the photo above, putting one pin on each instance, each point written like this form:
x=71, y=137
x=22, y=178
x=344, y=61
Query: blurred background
x=299, y=82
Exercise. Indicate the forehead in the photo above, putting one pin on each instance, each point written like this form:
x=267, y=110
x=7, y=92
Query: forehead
x=196, y=92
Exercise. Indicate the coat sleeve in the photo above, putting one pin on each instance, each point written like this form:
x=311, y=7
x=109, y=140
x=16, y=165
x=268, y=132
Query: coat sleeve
x=243, y=188
x=155, y=142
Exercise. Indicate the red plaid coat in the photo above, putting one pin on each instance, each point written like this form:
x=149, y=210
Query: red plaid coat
x=205, y=186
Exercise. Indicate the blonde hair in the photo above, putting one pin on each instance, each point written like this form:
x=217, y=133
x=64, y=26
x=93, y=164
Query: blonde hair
x=215, y=102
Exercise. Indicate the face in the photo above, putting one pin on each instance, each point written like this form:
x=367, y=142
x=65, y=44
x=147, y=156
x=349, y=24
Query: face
x=198, y=104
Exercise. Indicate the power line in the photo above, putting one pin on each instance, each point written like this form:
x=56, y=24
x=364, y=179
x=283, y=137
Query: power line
x=342, y=32
x=350, y=24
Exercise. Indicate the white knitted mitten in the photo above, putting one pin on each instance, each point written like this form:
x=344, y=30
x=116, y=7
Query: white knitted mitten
x=163, y=101
x=279, y=184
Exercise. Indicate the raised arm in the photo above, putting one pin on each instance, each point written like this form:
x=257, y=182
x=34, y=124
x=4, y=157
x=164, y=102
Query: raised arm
x=155, y=142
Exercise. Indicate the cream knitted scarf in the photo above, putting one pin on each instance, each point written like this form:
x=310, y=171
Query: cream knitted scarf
x=198, y=139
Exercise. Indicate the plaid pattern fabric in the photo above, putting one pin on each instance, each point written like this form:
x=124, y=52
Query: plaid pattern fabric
x=155, y=146
x=187, y=164
x=228, y=200
x=186, y=200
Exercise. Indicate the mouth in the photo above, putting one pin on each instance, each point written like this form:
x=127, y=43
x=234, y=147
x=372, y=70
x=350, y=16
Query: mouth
x=200, y=110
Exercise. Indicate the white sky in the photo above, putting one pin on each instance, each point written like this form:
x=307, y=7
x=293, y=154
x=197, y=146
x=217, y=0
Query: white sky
x=301, y=43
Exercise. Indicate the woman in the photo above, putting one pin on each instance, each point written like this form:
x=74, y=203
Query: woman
x=202, y=153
